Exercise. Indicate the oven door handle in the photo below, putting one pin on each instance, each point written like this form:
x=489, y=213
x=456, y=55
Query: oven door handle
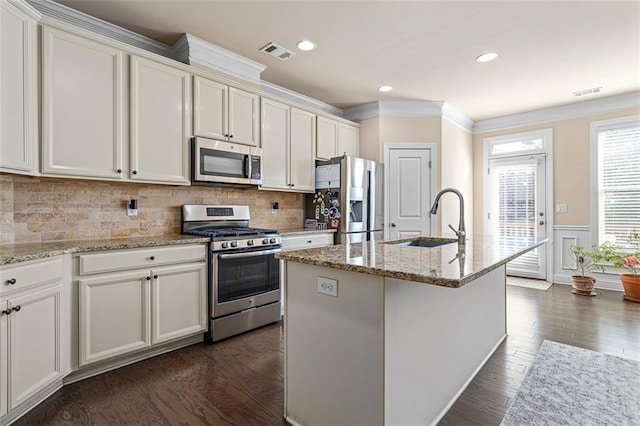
x=248, y=254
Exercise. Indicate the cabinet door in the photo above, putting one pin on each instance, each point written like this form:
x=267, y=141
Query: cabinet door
x=179, y=301
x=160, y=122
x=4, y=357
x=244, y=121
x=327, y=134
x=210, y=109
x=275, y=140
x=83, y=113
x=347, y=140
x=34, y=343
x=18, y=91
x=303, y=145
x=113, y=315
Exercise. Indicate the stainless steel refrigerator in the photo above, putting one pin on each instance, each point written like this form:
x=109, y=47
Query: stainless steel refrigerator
x=348, y=197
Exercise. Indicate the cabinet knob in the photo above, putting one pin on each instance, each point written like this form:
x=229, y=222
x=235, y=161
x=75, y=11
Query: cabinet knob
x=393, y=225
x=6, y=312
x=309, y=242
x=152, y=258
x=155, y=277
x=12, y=281
x=226, y=135
x=148, y=278
x=230, y=136
x=16, y=308
x=119, y=171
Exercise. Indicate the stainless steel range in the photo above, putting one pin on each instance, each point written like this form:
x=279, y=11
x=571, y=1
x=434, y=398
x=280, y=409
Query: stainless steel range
x=244, y=275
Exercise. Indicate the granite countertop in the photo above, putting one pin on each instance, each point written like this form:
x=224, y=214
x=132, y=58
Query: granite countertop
x=302, y=231
x=446, y=265
x=15, y=253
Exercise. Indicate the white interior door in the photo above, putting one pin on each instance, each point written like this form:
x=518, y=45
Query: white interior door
x=516, y=210
x=409, y=194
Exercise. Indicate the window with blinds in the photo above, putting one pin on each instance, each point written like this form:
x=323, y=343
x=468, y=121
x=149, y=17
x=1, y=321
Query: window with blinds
x=618, y=155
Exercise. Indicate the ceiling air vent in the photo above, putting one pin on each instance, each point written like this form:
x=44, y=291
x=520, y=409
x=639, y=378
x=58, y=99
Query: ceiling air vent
x=587, y=91
x=277, y=51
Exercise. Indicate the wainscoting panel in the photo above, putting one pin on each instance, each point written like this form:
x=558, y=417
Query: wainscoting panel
x=565, y=237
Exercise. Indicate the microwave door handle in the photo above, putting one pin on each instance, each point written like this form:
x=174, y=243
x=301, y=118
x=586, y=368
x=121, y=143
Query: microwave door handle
x=248, y=254
x=247, y=166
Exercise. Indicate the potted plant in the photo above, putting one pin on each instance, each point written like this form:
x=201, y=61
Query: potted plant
x=586, y=261
x=631, y=262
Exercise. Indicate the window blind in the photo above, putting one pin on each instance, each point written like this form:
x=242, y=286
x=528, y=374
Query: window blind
x=619, y=184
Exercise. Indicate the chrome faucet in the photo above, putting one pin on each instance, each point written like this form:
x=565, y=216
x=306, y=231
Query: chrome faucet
x=461, y=232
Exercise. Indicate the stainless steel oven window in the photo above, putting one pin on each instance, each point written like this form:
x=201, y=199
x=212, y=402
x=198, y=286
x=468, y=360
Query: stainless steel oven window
x=245, y=274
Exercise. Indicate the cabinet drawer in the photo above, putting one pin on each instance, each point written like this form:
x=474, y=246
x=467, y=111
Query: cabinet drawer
x=296, y=242
x=30, y=274
x=117, y=260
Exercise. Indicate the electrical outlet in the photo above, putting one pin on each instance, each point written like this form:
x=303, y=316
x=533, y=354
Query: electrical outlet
x=561, y=208
x=328, y=286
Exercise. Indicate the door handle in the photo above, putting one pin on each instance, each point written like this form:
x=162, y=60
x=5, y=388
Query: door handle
x=393, y=225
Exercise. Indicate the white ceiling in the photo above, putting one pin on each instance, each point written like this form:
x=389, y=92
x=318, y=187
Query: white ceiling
x=425, y=49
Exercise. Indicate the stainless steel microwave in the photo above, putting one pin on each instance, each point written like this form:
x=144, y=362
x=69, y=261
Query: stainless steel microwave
x=216, y=161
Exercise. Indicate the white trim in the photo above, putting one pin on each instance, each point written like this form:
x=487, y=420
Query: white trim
x=410, y=109
x=98, y=26
x=300, y=99
x=593, y=135
x=547, y=150
x=564, y=112
x=195, y=51
x=571, y=241
x=576, y=228
x=25, y=8
x=433, y=154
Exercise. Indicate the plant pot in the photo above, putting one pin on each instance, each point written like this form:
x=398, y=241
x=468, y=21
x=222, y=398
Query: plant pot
x=583, y=285
x=631, y=286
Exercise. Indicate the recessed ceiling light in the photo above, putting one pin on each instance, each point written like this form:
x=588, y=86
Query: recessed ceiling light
x=385, y=88
x=486, y=57
x=306, y=45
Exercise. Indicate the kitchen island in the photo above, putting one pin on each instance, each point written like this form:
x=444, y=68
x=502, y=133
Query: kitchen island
x=390, y=333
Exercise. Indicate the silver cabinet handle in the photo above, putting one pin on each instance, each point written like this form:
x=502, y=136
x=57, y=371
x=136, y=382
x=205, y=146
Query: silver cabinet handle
x=248, y=254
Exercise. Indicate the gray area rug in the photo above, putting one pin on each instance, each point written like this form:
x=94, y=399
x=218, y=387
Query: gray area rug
x=573, y=386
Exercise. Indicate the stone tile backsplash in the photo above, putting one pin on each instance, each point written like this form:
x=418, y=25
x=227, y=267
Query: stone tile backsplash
x=36, y=209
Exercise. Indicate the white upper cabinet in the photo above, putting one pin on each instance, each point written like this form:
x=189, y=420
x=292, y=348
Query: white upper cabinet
x=225, y=113
x=108, y=115
x=160, y=122
x=288, y=143
x=302, y=152
x=18, y=91
x=83, y=107
x=327, y=138
x=336, y=139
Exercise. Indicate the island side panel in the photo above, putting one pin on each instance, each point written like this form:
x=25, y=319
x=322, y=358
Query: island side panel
x=334, y=347
x=436, y=340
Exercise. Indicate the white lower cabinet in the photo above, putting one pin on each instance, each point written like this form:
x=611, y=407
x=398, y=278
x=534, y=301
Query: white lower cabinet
x=125, y=312
x=32, y=306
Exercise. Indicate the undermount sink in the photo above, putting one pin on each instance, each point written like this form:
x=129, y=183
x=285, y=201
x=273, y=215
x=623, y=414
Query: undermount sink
x=425, y=243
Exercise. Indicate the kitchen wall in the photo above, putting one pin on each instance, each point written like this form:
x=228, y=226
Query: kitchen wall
x=51, y=209
x=455, y=151
x=571, y=166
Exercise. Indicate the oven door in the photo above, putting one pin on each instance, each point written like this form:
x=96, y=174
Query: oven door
x=243, y=280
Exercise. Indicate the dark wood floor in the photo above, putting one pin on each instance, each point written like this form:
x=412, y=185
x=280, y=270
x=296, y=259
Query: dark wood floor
x=240, y=381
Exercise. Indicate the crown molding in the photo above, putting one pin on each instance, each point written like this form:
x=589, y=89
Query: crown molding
x=410, y=109
x=299, y=98
x=25, y=8
x=79, y=19
x=564, y=112
x=195, y=51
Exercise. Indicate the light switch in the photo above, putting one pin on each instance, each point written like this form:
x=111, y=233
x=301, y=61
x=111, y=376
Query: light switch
x=561, y=208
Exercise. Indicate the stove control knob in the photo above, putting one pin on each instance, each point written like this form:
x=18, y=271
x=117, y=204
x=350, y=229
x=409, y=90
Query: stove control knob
x=265, y=241
x=272, y=240
x=249, y=242
x=225, y=245
x=234, y=244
